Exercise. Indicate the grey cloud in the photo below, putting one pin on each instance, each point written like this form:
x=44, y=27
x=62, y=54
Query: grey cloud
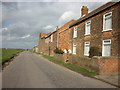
x=30, y=18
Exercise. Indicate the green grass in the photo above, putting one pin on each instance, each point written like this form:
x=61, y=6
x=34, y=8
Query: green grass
x=70, y=66
x=6, y=54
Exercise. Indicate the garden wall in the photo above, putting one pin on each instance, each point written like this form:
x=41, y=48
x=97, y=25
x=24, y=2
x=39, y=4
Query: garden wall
x=59, y=56
x=109, y=65
x=102, y=65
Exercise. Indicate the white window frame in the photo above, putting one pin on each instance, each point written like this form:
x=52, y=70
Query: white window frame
x=74, y=45
x=86, y=43
x=104, y=22
x=36, y=49
x=75, y=32
x=106, y=44
x=51, y=38
x=86, y=24
x=47, y=40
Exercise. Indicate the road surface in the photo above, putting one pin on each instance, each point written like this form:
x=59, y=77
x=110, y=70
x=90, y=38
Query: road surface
x=29, y=70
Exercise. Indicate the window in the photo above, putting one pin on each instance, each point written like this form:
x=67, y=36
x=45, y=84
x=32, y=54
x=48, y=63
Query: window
x=36, y=49
x=86, y=48
x=51, y=38
x=47, y=40
x=87, y=28
x=75, y=32
x=107, y=22
x=106, y=48
x=74, y=48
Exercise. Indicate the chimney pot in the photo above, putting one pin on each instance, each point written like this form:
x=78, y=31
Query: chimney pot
x=84, y=11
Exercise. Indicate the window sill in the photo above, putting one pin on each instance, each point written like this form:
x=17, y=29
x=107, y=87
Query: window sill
x=87, y=34
x=106, y=56
x=107, y=30
x=74, y=37
x=86, y=54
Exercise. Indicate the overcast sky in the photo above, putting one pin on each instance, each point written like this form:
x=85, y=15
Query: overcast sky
x=23, y=21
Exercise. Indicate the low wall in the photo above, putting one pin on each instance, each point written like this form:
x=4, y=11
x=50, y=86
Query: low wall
x=102, y=65
x=109, y=65
x=59, y=56
x=85, y=62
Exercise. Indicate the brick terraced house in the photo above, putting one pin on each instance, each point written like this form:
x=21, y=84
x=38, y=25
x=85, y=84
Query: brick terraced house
x=51, y=43
x=42, y=42
x=99, y=28
x=64, y=37
x=60, y=38
x=35, y=48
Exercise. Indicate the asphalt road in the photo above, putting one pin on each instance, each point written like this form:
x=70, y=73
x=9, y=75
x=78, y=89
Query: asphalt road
x=29, y=70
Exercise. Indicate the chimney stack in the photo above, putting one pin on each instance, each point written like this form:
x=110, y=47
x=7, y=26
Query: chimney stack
x=84, y=11
x=56, y=27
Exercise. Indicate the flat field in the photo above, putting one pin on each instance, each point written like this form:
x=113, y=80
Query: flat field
x=6, y=54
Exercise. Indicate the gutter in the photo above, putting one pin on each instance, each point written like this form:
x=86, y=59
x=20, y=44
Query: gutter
x=87, y=17
x=64, y=30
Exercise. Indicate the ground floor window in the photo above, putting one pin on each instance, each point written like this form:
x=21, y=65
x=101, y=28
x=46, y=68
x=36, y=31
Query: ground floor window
x=106, y=50
x=86, y=48
x=74, y=48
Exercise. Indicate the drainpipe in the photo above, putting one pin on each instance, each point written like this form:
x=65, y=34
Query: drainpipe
x=49, y=50
x=57, y=38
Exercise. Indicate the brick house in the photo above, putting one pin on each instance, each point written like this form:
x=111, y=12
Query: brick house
x=51, y=43
x=35, y=48
x=41, y=43
x=99, y=28
x=47, y=43
x=59, y=38
x=64, y=36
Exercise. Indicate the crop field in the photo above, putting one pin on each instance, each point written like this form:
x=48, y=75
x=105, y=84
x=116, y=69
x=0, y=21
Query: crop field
x=6, y=54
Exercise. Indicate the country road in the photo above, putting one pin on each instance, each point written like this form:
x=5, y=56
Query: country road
x=29, y=70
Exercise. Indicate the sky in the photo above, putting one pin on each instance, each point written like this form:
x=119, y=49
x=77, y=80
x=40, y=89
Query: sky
x=22, y=21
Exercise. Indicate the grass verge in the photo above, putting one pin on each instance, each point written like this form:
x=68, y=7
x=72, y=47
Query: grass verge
x=7, y=54
x=70, y=66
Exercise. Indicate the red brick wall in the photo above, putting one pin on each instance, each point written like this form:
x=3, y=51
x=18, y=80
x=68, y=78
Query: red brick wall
x=97, y=35
x=64, y=38
x=102, y=65
x=41, y=45
x=109, y=65
x=53, y=44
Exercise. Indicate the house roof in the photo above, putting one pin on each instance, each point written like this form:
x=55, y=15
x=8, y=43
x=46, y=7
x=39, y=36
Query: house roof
x=50, y=34
x=93, y=13
x=66, y=25
x=62, y=27
x=43, y=35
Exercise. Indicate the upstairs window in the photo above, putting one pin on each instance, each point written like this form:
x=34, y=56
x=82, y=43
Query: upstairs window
x=107, y=22
x=87, y=27
x=47, y=40
x=75, y=32
x=51, y=40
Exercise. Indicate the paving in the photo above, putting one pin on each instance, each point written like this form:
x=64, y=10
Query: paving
x=29, y=70
x=112, y=78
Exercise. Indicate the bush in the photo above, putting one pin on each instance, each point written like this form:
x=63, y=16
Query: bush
x=94, y=51
x=58, y=51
